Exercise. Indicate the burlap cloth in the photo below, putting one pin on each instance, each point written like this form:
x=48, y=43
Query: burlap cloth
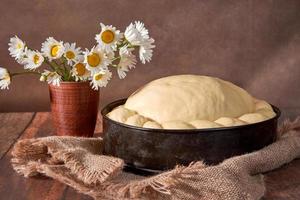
x=77, y=162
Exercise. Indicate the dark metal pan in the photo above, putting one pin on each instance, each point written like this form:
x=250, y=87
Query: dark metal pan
x=162, y=149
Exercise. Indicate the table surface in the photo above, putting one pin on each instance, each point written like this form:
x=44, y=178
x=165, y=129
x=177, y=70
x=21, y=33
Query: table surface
x=283, y=183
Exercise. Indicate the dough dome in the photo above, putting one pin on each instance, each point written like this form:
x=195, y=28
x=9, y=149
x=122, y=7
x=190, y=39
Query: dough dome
x=187, y=98
x=191, y=102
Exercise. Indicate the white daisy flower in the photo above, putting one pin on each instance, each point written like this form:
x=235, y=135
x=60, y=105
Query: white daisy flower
x=16, y=47
x=100, y=79
x=96, y=60
x=52, y=49
x=137, y=35
x=5, y=78
x=80, y=72
x=127, y=61
x=51, y=77
x=33, y=60
x=108, y=38
x=110, y=55
x=21, y=58
x=71, y=53
x=146, y=50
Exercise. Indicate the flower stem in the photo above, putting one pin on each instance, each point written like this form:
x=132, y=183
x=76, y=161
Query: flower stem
x=67, y=71
x=55, y=67
x=24, y=72
x=49, y=63
x=116, y=58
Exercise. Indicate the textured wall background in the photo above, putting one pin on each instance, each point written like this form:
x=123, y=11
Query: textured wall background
x=254, y=43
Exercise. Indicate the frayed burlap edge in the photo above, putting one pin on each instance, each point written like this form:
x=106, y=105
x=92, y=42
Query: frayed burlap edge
x=289, y=128
x=161, y=183
x=33, y=156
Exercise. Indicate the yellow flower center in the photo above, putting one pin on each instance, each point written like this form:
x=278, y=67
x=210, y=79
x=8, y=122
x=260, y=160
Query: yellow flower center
x=19, y=45
x=80, y=69
x=98, y=77
x=54, y=50
x=94, y=59
x=107, y=36
x=70, y=54
x=36, y=59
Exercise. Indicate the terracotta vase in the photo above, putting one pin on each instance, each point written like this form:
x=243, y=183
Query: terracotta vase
x=74, y=108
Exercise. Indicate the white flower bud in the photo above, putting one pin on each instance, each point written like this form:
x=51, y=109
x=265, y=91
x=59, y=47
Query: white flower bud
x=43, y=78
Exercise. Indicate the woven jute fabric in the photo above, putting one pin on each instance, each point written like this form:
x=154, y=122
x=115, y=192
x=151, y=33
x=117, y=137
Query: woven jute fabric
x=78, y=163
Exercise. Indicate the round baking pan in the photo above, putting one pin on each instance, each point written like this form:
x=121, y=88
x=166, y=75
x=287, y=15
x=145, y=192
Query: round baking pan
x=162, y=149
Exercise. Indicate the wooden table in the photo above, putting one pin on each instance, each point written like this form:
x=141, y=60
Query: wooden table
x=283, y=183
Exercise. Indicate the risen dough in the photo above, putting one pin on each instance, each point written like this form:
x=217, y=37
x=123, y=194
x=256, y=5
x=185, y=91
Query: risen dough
x=204, y=124
x=176, y=125
x=261, y=104
x=190, y=97
x=136, y=120
x=227, y=121
x=266, y=112
x=120, y=114
x=253, y=117
x=189, y=102
x=151, y=124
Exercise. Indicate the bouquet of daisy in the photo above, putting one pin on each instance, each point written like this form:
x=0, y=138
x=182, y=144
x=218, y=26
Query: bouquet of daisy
x=67, y=62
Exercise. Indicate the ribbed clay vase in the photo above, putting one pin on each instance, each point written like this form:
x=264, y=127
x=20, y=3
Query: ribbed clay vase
x=74, y=107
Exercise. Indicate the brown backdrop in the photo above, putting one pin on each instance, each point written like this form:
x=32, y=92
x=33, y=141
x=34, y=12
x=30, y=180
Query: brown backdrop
x=255, y=44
